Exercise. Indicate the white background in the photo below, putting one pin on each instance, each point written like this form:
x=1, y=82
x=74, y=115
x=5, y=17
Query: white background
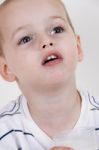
x=85, y=17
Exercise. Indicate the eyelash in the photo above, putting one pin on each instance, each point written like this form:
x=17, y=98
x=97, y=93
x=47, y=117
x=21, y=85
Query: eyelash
x=58, y=30
x=25, y=39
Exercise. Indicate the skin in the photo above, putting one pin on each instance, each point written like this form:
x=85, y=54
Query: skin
x=22, y=62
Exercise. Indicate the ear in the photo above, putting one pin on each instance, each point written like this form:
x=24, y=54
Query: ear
x=5, y=71
x=79, y=49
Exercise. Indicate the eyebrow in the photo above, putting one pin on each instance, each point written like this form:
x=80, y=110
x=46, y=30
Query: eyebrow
x=27, y=25
x=58, y=17
x=19, y=29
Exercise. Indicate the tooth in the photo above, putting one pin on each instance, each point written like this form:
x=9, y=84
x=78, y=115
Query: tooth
x=51, y=57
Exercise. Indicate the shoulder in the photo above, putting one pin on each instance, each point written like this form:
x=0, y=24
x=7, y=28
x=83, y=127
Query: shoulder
x=90, y=98
x=10, y=118
x=11, y=109
x=10, y=113
x=92, y=104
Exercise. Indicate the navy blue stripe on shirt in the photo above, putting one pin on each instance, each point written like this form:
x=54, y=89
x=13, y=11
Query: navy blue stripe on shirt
x=9, y=110
x=14, y=110
x=20, y=131
x=94, y=103
x=96, y=129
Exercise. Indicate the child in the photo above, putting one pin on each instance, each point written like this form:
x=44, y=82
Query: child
x=40, y=50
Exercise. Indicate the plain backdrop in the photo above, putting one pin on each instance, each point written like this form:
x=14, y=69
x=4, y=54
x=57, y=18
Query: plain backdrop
x=85, y=17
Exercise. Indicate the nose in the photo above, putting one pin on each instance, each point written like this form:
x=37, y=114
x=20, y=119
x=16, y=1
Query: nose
x=47, y=45
x=46, y=41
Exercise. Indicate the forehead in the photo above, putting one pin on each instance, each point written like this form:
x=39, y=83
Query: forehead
x=15, y=5
x=16, y=13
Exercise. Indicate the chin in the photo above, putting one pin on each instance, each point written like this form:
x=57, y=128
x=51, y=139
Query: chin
x=56, y=79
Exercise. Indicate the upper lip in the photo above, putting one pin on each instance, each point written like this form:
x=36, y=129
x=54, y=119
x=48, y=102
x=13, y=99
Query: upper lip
x=56, y=53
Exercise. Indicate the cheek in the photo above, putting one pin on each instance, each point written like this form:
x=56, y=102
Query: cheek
x=71, y=57
x=70, y=50
x=20, y=64
x=71, y=61
x=16, y=67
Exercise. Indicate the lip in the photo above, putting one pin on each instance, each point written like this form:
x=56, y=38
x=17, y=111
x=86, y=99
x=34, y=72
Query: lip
x=56, y=53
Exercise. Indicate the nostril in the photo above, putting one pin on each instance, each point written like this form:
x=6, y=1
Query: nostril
x=44, y=46
x=51, y=44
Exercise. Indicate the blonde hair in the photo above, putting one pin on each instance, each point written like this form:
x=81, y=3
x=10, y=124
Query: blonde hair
x=1, y=46
x=3, y=3
x=67, y=15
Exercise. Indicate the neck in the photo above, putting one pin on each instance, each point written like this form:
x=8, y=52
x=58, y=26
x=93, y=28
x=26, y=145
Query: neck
x=56, y=111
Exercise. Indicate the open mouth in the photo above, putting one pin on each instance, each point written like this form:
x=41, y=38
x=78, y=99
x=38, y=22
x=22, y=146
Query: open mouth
x=52, y=58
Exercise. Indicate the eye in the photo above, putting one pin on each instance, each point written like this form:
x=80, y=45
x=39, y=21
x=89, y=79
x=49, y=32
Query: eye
x=57, y=30
x=24, y=40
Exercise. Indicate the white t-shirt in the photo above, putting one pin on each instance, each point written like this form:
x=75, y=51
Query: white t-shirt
x=18, y=131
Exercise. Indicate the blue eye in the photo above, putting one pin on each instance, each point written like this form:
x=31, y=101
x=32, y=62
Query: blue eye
x=58, y=30
x=25, y=40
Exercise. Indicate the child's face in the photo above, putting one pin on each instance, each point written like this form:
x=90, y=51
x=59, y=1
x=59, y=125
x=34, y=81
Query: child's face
x=34, y=30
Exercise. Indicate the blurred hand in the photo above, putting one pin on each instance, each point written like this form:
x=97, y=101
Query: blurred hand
x=61, y=148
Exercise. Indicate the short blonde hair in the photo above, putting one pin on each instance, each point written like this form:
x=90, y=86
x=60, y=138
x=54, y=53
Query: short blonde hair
x=67, y=15
x=1, y=45
x=3, y=3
